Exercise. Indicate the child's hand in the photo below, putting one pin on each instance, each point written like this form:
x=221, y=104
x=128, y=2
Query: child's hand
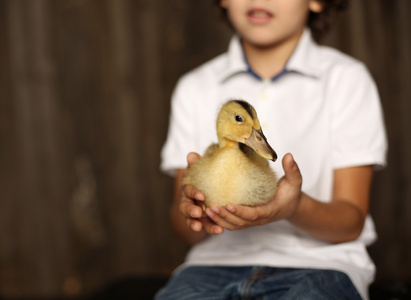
x=282, y=206
x=191, y=203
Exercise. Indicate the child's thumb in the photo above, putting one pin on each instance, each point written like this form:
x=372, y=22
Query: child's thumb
x=192, y=158
x=291, y=170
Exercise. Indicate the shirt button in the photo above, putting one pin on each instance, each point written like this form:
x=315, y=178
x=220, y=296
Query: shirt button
x=264, y=96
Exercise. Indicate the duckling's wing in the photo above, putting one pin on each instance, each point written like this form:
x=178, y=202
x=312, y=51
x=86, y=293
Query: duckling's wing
x=211, y=150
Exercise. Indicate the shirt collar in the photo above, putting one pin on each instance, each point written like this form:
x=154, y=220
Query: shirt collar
x=235, y=60
x=304, y=59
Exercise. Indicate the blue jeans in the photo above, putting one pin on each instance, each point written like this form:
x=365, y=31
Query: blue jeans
x=257, y=283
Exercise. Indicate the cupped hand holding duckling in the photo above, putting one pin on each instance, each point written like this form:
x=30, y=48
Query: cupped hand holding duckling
x=233, y=217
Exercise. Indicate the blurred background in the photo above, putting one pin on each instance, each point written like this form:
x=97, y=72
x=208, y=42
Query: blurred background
x=85, y=87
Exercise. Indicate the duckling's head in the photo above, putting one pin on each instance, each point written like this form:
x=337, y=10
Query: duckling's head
x=237, y=122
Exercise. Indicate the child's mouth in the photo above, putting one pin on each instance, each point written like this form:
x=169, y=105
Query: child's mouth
x=259, y=16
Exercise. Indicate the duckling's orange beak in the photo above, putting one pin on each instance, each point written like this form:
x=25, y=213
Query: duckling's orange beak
x=258, y=142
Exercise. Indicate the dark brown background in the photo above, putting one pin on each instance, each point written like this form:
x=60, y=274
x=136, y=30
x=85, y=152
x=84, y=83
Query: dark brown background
x=84, y=103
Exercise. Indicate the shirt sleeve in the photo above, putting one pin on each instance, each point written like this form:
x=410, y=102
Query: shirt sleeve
x=179, y=140
x=358, y=131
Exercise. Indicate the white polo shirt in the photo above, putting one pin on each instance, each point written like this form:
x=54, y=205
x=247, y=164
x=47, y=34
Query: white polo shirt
x=324, y=109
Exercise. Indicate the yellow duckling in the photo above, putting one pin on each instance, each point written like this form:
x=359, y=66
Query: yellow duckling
x=236, y=170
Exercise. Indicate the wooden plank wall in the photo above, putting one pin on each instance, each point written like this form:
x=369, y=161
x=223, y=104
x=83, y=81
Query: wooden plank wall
x=84, y=103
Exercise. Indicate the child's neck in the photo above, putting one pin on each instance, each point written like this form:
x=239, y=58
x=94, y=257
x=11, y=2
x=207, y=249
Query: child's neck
x=269, y=61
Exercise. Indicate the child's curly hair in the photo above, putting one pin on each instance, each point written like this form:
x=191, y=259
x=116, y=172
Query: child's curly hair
x=319, y=23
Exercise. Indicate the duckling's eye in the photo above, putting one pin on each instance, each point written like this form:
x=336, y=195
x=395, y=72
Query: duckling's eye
x=238, y=119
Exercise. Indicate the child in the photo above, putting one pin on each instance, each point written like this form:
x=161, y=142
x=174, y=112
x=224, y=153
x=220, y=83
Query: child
x=319, y=109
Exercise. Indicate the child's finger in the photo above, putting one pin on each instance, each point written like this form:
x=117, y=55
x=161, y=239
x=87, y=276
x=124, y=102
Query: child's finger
x=225, y=219
x=190, y=192
x=194, y=224
x=210, y=227
x=192, y=158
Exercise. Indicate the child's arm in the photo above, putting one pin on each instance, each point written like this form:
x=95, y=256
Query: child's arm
x=343, y=218
x=340, y=220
